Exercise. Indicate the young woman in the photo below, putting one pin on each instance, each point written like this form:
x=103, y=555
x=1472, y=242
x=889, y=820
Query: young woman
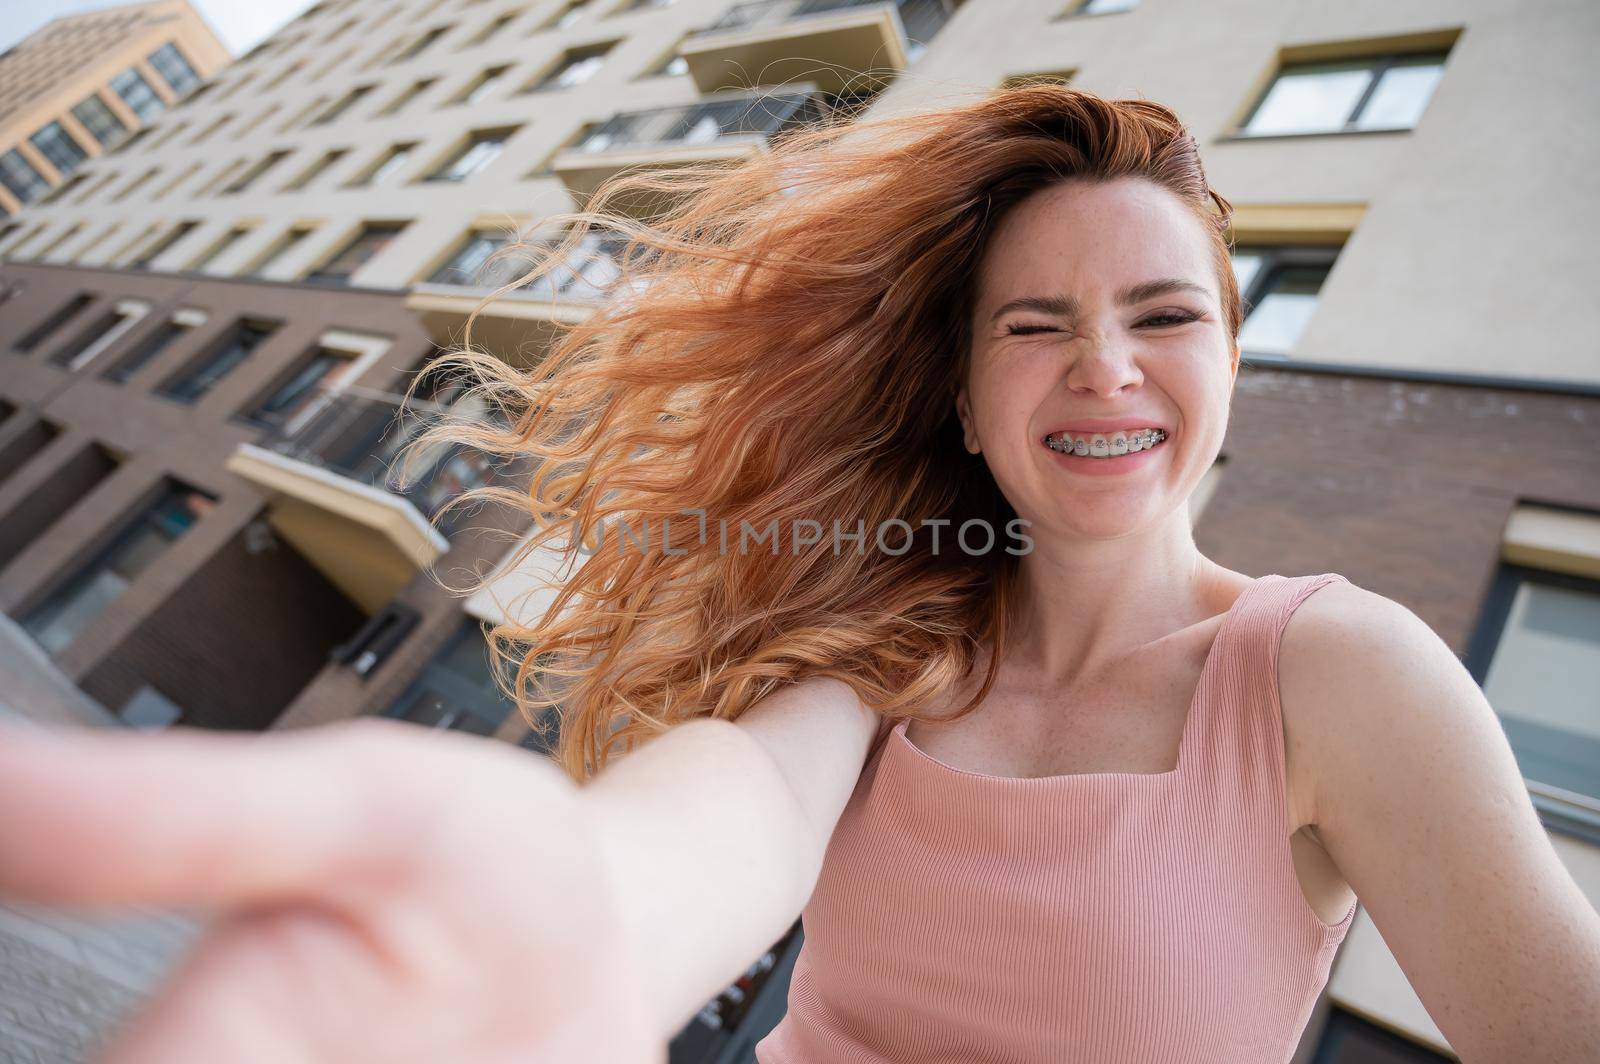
x=921, y=645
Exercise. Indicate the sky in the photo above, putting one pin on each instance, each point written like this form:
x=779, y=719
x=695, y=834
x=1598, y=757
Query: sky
x=240, y=23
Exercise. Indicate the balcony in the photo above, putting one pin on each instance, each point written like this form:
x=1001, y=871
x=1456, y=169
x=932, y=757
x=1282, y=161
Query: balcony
x=332, y=495
x=839, y=45
x=519, y=325
x=727, y=127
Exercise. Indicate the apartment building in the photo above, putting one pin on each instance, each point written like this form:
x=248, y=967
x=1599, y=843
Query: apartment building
x=85, y=83
x=204, y=341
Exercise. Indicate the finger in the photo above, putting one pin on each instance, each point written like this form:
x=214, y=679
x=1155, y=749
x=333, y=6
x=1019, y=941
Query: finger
x=182, y=817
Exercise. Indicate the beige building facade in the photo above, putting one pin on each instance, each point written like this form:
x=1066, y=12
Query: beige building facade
x=83, y=84
x=250, y=281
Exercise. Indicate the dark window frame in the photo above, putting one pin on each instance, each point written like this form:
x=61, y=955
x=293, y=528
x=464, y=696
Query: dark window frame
x=1377, y=66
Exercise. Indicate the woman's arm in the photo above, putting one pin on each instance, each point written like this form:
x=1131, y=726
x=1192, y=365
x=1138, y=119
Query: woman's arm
x=715, y=832
x=1417, y=796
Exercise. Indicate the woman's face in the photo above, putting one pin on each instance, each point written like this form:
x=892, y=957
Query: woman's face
x=1097, y=302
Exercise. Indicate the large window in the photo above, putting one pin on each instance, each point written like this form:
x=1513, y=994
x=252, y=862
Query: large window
x=198, y=379
x=160, y=246
x=1280, y=287
x=253, y=174
x=372, y=238
x=99, y=335
x=479, y=150
x=137, y=94
x=57, y=145
x=385, y=166
x=317, y=371
x=457, y=689
x=1537, y=656
x=280, y=247
x=174, y=68
x=482, y=85
x=58, y=317
x=219, y=247
x=101, y=121
x=575, y=66
x=148, y=349
x=411, y=92
x=20, y=178
x=57, y=620
x=316, y=169
x=342, y=105
x=1344, y=96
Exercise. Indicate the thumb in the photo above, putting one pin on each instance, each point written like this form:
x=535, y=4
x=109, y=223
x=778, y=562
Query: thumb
x=182, y=817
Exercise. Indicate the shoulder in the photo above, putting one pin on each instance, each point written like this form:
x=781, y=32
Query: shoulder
x=1366, y=687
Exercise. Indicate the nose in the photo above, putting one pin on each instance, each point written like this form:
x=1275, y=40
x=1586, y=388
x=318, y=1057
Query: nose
x=1101, y=365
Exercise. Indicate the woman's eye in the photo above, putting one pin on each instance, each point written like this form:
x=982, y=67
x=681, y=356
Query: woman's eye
x=1171, y=318
x=1024, y=330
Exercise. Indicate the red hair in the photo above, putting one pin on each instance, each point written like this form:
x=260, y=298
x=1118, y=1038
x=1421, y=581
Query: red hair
x=786, y=345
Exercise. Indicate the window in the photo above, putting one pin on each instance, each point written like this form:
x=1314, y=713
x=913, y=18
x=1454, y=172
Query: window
x=569, y=14
x=494, y=27
x=211, y=130
x=65, y=189
x=148, y=349
x=1344, y=96
x=137, y=94
x=56, y=621
x=458, y=688
x=482, y=85
x=420, y=45
x=136, y=184
x=101, y=121
x=1537, y=656
x=168, y=131
x=385, y=167
x=1350, y=1039
x=415, y=89
x=642, y=5
x=1042, y=77
x=671, y=64
x=310, y=108
x=155, y=250
x=576, y=66
x=100, y=334
x=316, y=371
x=371, y=239
x=286, y=73
x=1104, y=7
x=135, y=137
x=1279, y=286
x=219, y=247
x=221, y=177
x=466, y=262
x=174, y=69
x=20, y=178
x=59, y=317
x=480, y=149
x=342, y=104
x=280, y=247
x=251, y=126
x=198, y=379
x=251, y=175
x=319, y=166
x=166, y=189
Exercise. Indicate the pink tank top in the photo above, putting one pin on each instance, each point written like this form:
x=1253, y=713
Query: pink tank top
x=1101, y=917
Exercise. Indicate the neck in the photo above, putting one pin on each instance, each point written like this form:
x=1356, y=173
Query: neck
x=1084, y=603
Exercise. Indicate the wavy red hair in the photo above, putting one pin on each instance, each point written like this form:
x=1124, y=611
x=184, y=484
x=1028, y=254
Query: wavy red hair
x=786, y=344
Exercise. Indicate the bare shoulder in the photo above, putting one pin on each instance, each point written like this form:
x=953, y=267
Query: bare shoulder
x=1363, y=681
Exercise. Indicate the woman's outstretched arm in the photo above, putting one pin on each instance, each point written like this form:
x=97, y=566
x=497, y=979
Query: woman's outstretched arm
x=385, y=893
x=1419, y=801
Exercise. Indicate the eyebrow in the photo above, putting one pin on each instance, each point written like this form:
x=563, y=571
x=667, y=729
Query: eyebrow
x=1068, y=307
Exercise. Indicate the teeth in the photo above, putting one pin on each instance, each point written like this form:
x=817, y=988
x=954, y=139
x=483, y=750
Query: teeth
x=1107, y=445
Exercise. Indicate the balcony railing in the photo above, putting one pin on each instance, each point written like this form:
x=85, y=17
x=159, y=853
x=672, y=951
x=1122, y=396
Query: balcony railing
x=920, y=19
x=358, y=434
x=744, y=117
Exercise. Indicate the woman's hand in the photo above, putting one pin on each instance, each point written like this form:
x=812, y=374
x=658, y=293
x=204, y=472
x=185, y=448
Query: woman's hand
x=380, y=892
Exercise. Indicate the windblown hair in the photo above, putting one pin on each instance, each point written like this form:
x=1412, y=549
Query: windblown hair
x=785, y=345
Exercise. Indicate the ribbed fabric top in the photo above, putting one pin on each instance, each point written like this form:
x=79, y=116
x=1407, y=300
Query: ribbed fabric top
x=1100, y=917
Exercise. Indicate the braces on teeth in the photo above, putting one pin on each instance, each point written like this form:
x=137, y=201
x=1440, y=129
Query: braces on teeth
x=1106, y=445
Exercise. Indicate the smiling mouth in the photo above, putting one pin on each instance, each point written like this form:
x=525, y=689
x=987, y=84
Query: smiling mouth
x=1105, y=445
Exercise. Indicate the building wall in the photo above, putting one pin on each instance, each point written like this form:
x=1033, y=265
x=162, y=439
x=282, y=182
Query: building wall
x=46, y=74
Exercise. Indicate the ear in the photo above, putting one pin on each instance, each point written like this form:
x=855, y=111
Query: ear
x=969, y=428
